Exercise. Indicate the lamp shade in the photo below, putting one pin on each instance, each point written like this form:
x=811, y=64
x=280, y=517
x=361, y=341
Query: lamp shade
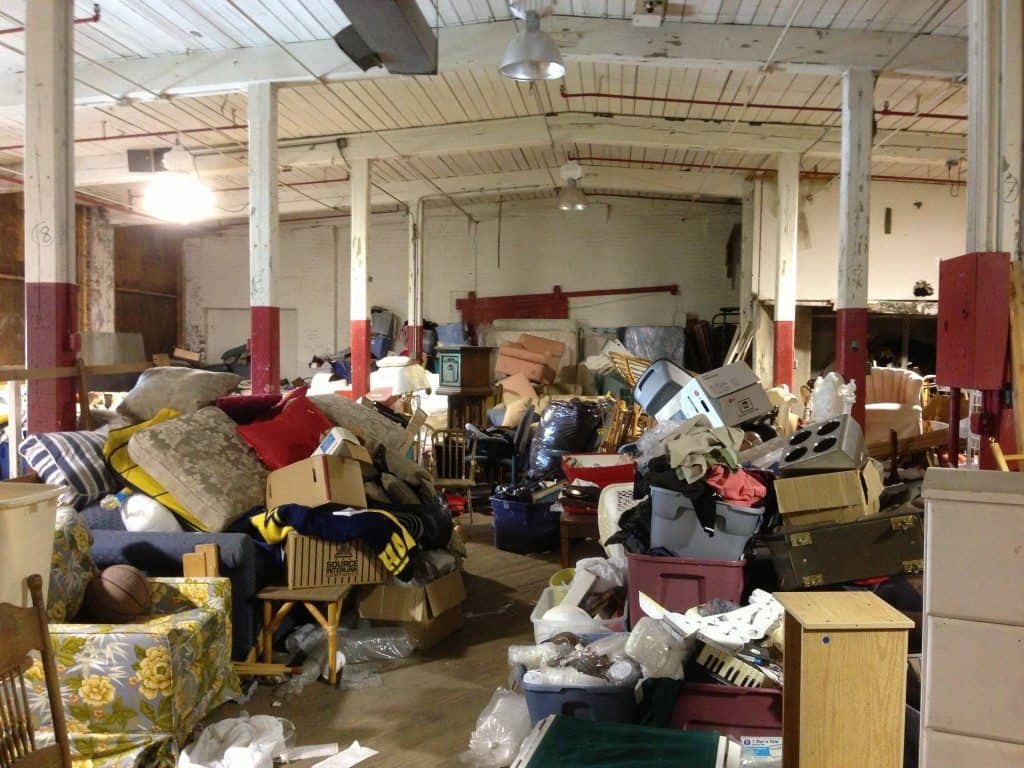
x=532, y=55
x=571, y=198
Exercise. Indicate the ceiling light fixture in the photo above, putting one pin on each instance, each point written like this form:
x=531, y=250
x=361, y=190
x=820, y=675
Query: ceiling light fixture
x=176, y=194
x=571, y=197
x=532, y=54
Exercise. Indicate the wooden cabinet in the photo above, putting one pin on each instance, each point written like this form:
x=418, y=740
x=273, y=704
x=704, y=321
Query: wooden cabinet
x=464, y=370
x=845, y=689
x=972, y=709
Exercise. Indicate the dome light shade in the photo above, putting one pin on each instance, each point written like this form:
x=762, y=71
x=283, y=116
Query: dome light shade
x=532, y=55
x=177, y=197
x=571, y=198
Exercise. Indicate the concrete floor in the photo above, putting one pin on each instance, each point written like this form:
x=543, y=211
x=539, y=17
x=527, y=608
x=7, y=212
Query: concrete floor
x=423, y=714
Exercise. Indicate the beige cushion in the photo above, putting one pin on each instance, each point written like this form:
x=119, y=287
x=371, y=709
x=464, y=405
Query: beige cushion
x=374, y=430
x=514, y=411
x=881, y=418
x=893, y=385
x=183, y=389
x=201, y=461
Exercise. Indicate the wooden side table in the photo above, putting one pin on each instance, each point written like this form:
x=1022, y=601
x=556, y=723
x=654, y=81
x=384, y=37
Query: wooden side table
x=843, y=703
x=312, y=598
x=576, y=527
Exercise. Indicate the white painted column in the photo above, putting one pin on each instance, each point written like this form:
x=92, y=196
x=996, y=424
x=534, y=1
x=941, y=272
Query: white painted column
x=1011, y=132
x=264, y=239
x=788, y=164
x=854, y=207
x=359, y=311
x=414, y=327
x=982, y=124
x=747, y=288
x=51, y=292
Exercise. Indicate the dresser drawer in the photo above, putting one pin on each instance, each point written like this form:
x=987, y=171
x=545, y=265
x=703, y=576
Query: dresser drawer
x=974, y=679
x=974, y=558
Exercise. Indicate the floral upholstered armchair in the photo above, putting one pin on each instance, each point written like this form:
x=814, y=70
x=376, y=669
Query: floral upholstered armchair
x=134, y=692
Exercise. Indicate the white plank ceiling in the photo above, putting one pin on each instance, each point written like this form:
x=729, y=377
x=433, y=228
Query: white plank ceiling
x=131, y=29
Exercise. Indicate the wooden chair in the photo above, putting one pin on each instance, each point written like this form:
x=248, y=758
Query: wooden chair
x=23, y=630
x=454, y=459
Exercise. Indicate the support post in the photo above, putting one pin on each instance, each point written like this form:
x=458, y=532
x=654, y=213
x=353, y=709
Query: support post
x=359, y=314
x=264, y=240
x=785, y=270
x=748, y=289
x=97, y=280
x=51, y=292
x=854, y=202
x=982, y=124
x=414, y=328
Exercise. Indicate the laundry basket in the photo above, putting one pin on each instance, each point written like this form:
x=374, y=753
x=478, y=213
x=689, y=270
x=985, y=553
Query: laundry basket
x=615, y=499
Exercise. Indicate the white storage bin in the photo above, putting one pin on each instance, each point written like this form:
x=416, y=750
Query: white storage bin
x=28, y=512
x=545, y=630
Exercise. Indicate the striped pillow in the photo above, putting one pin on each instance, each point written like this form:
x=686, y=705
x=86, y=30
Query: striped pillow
x=74, y=460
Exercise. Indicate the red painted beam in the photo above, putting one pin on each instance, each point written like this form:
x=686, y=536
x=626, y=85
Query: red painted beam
x=414, y=342
x=265, y=350
x=360, y=358
x=51, y=317
x=785, y=352
x=852, y=352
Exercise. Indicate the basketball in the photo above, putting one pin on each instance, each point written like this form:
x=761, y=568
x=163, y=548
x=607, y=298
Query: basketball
x=120, y=593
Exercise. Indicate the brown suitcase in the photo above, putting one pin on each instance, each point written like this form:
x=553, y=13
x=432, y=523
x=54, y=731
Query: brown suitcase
x=819, y=555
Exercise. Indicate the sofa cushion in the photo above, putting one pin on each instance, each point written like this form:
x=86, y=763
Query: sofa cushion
x=185, y=390
x=203, y=463
x=290, y=435
x=374, y=430
x=116, y=451
x=71, y=566
x=73, y=460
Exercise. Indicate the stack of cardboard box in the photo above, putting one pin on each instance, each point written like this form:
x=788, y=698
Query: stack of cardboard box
x=534, y=357
x=429, y=614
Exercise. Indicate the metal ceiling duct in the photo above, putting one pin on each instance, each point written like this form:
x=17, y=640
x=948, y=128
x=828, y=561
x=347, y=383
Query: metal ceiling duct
x=389, y=33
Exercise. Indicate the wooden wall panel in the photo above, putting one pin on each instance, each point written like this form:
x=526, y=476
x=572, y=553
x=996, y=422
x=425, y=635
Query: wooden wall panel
x=147, y=268
x=12, y=240
x=12, y=322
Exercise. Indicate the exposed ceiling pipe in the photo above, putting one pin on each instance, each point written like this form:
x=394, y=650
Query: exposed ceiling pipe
x=790, y=107
x=594, y=160
x=142, y=135
x=87, y=20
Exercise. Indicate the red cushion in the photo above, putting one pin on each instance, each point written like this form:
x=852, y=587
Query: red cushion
x=246, y=408
x=289, y=436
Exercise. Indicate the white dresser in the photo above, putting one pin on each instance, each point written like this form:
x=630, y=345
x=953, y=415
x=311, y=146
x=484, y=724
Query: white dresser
x=972, y=712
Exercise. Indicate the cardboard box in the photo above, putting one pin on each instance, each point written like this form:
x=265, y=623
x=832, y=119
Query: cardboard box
x=429, y=613
x=728, y=396
x=832, y=497
x=344, y=443
x=315, y=562
x=534, y=357
x=317, y=480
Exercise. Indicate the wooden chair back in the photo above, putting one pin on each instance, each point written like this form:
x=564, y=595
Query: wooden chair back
x=23, y=630
x=453, y=455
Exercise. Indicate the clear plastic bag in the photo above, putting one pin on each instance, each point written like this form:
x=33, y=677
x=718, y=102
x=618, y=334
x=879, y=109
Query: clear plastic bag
x=239, y=742
x=832, y=397
x=658, y=651
x=500, y=730
x=377, y=644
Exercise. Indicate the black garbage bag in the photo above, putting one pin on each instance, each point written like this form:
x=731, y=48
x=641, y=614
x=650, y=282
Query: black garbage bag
x=566, y=426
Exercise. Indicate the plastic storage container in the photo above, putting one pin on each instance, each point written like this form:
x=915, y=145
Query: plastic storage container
x=729, y=709
x=657, y=390
x=606, y=704
x=380, y=345
x=523, y=528
x=674, y=526
x=28, y=512
x=545, y=630
x=680, y=583
x=603, y=469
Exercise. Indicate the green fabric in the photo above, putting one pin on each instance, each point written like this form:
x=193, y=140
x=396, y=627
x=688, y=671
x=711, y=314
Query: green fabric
x=586, y=744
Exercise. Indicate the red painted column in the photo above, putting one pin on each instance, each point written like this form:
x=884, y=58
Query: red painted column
x=852, y=353
x=265, y=349
x=359, y=310
x=414, y=341
x=51, y=313
x=360, y=358
x=785, y=354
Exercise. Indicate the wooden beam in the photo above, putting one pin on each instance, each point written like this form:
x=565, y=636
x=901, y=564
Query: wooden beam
x=595, y=41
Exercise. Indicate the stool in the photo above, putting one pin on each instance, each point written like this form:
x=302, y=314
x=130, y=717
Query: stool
x=577, y=527
x=331, y=596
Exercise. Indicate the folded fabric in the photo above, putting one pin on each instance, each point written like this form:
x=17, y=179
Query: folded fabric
x=697, y=446
x=736, y=487
x=291, y=434
x=379, y=530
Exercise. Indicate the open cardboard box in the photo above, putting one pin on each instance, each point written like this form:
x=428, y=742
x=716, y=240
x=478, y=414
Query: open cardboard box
x=429, y=613
x=320, y=479
x=831, y=497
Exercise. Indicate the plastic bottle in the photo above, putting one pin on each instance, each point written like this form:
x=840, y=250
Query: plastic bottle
x=114, y=502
